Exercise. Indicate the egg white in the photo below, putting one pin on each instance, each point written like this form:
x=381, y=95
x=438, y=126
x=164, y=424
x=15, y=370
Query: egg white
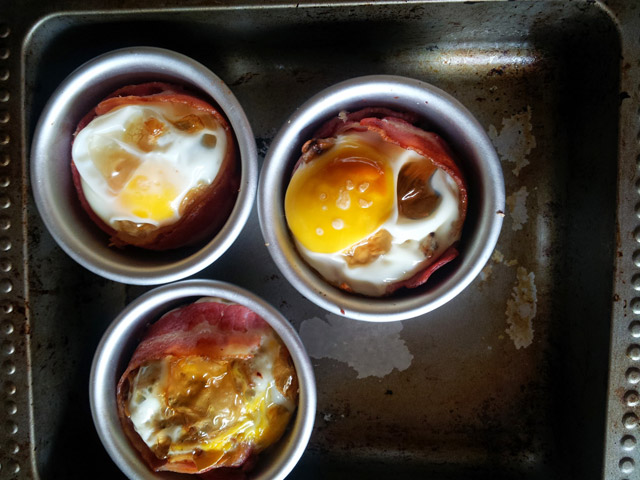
x=405, y=257
x=180, y=159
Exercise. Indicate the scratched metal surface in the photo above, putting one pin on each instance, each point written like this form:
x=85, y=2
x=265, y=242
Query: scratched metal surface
x=557, y=86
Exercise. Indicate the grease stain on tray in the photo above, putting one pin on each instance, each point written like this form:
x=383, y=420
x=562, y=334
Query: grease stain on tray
x=372, y=350
x=515, y=140
x=521, y=309
x=517, y=205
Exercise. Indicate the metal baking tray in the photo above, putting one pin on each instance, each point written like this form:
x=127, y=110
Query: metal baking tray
x=531, y=372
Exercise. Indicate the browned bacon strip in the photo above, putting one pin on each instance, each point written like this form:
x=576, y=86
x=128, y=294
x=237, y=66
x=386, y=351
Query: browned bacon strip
x=216, y=330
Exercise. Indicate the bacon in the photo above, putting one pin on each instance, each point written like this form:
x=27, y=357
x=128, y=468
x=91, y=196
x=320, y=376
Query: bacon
x=209, y=328
x=152, y=92
x=216, y=330
x=231, y=473
x=399, y=129
x=238, y=463
x=349, y=121
x=208, y=211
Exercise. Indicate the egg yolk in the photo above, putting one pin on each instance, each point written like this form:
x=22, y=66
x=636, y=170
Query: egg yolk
x=149, y=198
x=339, y=198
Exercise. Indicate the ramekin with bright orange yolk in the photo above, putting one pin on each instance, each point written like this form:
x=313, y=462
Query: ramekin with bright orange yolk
x=140, y=164
x=367, y=213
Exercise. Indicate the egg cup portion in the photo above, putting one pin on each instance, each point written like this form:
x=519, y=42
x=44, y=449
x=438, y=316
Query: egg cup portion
x=158, y=128
x=479, y=194
x=210, y=386
x=155, y=167
x=375, y=203
x=204, y=379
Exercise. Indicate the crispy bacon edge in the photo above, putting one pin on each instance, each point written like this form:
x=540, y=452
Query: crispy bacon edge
x=399, y=129
x=207, y=212
x=213, y=329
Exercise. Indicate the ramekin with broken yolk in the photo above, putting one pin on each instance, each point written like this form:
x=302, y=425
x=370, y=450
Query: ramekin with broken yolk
x=210, y=386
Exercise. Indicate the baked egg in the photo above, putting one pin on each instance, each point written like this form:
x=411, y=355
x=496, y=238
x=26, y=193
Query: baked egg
x=219, y=395
x=370, y=206
x=139, y=163
x=144, y=162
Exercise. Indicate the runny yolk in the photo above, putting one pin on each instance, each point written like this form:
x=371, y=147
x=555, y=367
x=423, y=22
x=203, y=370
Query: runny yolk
x=340, y=197
x=149, y=198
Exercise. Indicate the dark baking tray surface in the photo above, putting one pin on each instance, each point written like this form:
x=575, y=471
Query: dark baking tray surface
x=452, y=394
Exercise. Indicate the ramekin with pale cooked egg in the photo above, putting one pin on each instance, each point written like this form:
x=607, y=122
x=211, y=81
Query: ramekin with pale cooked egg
x=152, y=148
x=155, y=166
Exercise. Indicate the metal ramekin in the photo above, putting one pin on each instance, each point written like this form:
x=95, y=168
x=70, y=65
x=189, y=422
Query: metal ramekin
x=440, y=113
x=121, y=338
x=53, y=188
